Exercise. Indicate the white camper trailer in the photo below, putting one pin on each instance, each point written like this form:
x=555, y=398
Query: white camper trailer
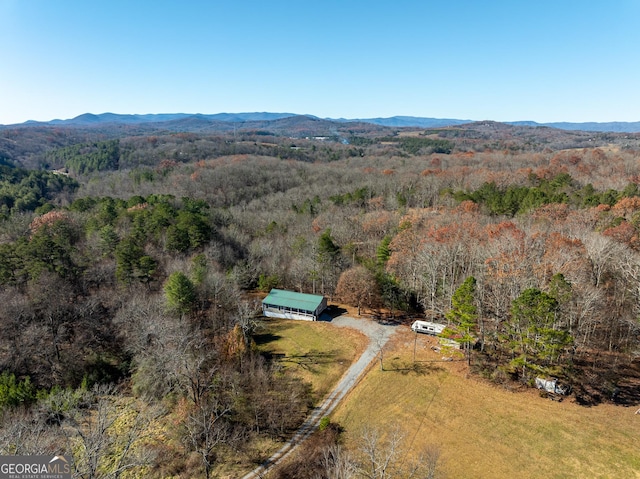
x=427, y=327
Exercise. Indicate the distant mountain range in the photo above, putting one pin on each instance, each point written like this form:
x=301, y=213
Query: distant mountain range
x=409, y=121
x=89, y=119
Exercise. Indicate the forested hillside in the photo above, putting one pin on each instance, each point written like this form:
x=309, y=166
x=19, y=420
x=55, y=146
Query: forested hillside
x=128, y=276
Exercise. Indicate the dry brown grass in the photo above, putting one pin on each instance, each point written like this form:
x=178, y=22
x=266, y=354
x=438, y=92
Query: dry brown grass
x=485, y=431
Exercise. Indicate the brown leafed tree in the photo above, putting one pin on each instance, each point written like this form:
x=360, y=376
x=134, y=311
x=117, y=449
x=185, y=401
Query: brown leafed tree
x=357, y=286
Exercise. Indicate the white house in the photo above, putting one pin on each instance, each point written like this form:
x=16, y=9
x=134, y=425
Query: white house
x=280, y=303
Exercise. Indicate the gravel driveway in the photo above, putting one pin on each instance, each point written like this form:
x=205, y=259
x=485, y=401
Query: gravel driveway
x=378, y=335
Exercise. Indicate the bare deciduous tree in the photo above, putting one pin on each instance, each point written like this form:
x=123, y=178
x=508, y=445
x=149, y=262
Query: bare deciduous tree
x=24, y=433
x=379, y=456
x=385, y=456
x=109, y=437
x=337, y=463
x=207, y=427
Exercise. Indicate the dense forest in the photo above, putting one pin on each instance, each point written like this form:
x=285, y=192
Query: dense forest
x=130, y=260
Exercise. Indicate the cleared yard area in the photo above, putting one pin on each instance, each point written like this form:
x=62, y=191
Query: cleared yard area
x=485, y=431
x=315, y=351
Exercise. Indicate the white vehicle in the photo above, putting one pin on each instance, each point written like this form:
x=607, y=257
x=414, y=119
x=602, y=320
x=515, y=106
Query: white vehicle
x=427, y=327
x=552, y=386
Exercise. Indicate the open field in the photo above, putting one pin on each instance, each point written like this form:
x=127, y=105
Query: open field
x=484, y=431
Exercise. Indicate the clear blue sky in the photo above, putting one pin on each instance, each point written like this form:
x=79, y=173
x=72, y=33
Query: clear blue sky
x=499, y=60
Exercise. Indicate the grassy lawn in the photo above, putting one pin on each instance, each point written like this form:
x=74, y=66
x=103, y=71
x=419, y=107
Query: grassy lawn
x=315, y=351
x=484, y=431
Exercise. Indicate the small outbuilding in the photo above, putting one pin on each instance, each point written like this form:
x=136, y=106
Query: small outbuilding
x=280, y=303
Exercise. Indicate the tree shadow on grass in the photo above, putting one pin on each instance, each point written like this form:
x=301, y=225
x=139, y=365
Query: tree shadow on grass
x=311, y=359
x=265, y=338
x=420, y=368
x=607, y=379
x=269, y=330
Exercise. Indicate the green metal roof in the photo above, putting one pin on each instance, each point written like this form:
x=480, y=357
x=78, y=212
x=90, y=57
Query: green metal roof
x=291, y=299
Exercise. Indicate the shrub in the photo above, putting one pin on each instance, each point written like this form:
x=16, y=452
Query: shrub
x=13, y=392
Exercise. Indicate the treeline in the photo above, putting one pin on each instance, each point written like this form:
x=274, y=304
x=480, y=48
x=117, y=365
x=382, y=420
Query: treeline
x=28, y=190
x=511, y=200
x=87, y=157
x=68, y=241
x=139, y=152
x=415, y=145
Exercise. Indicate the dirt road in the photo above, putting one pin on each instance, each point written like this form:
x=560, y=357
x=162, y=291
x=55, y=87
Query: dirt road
x=378, y=335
